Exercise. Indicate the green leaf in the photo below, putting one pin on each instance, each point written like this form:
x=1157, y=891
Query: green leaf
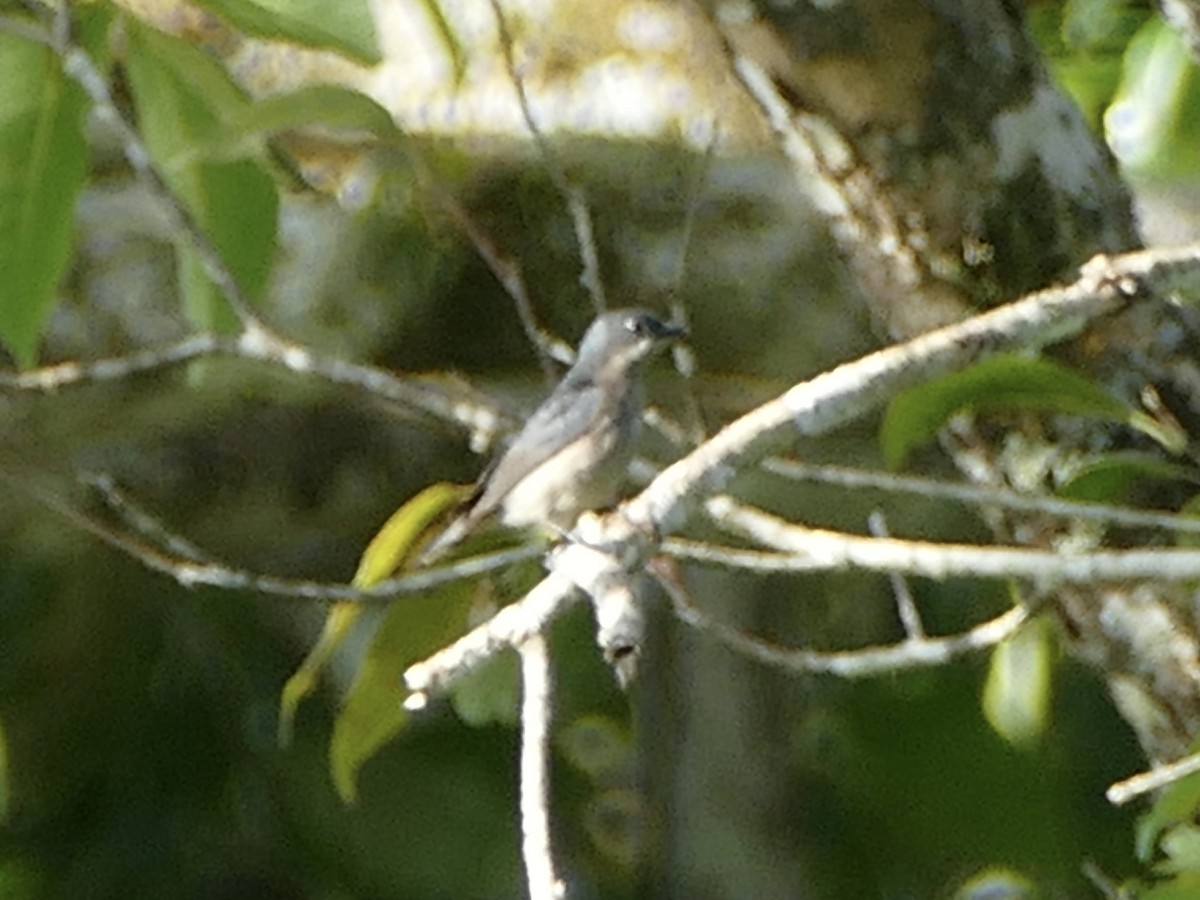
x=1181, y=844
x=1004, y=382
x=393, y=545
x=343, y=25
x=374, y=711
x=183, y=97
x=42, y=168
x=1018, y=690
x=1084, y=43
x=319, y=105
x=1178, y=803
x=1153, y=124
x=1182, y=887
x=1107, y=479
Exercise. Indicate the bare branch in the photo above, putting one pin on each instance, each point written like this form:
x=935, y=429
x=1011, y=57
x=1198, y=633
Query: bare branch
x=981, y=496
x=537, y=685
x=710, y=554
x=1121, y=792
x=631, y=533
x=510, y=627
x=906, y=604
x=139, y=535
x=573, y=196
x=460, y=407
x=916, y=652
x=1045, y=568
x=853, y=389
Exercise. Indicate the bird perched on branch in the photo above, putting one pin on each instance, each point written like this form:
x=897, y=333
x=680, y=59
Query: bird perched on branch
x=573, y=453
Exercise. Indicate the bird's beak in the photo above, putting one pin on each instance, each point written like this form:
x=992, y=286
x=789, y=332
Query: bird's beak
x=669, y=331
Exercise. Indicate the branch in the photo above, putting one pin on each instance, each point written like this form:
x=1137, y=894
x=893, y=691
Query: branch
x=1005, y=498
x=856, y=388
x=913, y=653
x=461, y=407
x=612, y=546
x=142, y=537
x=832, y=551
x=537, y=684
x=581, y=216
x=1121, y=792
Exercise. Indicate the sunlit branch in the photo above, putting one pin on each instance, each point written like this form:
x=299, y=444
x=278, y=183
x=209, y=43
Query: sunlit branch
x=1045, y=568
x=853, y=389
x=906, y=604
x=1121, y=792
x=828, y=401
x=536, y=708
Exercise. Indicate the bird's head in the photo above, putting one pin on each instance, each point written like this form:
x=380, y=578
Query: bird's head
x=623, y=338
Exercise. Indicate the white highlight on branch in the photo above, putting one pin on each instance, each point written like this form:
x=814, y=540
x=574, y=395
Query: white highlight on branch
x=536, y=702
x=1045, y=568
x=1121, y=792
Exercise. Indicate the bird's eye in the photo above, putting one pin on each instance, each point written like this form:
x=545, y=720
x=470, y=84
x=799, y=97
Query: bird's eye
x=635, y=325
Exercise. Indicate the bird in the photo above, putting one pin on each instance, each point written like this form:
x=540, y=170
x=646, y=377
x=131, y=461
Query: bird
x=573, y=453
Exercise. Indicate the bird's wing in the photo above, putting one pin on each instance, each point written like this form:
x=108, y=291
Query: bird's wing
x=564, y=417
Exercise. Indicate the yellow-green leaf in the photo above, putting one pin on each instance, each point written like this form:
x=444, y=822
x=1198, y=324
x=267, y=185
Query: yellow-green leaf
x=398, y=539
x=1016, y=696
x=391, y=548
x=373, y=712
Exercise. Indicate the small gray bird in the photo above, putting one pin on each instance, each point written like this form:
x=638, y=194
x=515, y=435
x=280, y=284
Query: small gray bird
x=574, y=451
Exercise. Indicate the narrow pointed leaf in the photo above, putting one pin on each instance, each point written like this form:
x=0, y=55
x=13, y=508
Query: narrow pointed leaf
x=1006, y=383
x=343, y=25
x=404, y=533
x=183, y=97
x=42, y=167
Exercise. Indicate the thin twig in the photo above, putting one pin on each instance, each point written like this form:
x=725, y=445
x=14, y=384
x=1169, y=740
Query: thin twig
x=1127, y=789
x=981, y=496
x=868, y=662
x=445, y=402
x=508, y=272
x=139, y=535
x=573, y=196
x=906, y=605
x=681, y=352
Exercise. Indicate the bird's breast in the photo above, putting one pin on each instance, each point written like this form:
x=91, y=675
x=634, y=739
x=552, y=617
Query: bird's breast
x=585, y=474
